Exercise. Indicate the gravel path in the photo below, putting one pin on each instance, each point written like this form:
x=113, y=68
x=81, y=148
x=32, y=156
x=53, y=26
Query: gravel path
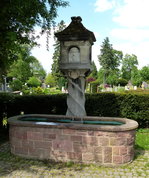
x=15, y=167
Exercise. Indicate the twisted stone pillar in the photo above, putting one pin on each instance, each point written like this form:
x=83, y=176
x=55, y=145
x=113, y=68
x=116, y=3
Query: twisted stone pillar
x=76, y=96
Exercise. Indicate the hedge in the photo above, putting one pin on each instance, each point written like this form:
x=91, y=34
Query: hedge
x=133, y=106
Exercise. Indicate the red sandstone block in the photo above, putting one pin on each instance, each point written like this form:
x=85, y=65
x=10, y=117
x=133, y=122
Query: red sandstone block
x=33, y=152
x=34, y=136
x=118, y=141
x=88, y=140
x=21, y=150
x=122, y=134
x=107, y=154
x=98, y=149
x=16, y=142
x=91, y=133
x=81, y=132
x=27, y=144
x=99, y=133
x=104, y=141
x=68, y=131
x=127, y=134
x=123, y=150
x=130, y=140
x=20, y=134
x=116, y=150
x=76, y=138
x=62, y=145
x=88, y=157
x=43, y=153
x=82, y=148
x=42, y=144
x=74, y=156
x=49, y=136
x=127, y=158
x=98, y=158
x=64, y=137
x=130, y=150
x=58, y=155
x=117, y=160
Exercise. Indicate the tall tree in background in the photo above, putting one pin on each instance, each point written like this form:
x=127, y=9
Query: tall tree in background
x=18, y=19
x=129, y=62
x=109, y=58
x=56, y=56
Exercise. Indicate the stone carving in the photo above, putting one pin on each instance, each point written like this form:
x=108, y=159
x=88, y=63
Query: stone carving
x=74, y=55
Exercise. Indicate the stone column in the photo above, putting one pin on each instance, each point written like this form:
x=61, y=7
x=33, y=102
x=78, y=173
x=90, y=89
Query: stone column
x=76, y=96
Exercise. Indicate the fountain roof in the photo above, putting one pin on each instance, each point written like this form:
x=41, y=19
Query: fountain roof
x=75, y=31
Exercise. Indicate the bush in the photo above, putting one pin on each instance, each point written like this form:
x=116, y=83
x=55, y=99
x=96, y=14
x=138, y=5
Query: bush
x=94, y=86
x=122, y=82
x=128, y=105
x=33, y=82
x=136, y=106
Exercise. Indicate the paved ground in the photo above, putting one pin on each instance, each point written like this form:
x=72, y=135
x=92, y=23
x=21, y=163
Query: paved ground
x=16, y=167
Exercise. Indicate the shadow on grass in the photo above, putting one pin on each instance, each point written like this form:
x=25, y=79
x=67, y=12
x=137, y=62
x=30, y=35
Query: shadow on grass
x=4, y=135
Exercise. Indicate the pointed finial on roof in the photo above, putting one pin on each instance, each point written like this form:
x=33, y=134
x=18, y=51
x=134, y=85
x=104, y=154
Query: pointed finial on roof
x=77, y=19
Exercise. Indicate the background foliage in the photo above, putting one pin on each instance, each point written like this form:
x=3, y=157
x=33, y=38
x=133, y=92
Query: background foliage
x=129, y=105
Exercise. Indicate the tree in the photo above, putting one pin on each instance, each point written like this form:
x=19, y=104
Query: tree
x=16, y=85
x=50, y=80
x=37, y=69
x=94, y=70
x=144, y=72
x=129, y=62
x=56, y=55
x=113, y=77
x=136, y=77
x=109, y=58
x=18, y=20
x=26, y=66
x=61, y=81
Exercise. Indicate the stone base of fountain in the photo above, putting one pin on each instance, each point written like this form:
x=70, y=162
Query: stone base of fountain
x=108, y=145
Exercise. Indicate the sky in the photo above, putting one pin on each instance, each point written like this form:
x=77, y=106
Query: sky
x=124, y=22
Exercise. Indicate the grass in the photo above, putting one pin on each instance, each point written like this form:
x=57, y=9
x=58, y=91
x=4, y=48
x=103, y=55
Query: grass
x=142, y=139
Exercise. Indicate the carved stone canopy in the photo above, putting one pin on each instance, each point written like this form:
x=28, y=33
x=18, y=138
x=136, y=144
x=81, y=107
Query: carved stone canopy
x=75, y=31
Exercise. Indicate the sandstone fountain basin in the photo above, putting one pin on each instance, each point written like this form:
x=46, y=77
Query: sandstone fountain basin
x=105, y=141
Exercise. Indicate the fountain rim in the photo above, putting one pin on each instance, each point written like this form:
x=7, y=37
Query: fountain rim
x=128, y=123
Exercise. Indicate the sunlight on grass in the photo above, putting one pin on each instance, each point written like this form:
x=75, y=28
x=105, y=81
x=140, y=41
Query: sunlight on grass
x=142, y=139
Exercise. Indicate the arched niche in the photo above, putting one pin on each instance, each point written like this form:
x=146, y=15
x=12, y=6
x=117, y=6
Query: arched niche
x=74, y=55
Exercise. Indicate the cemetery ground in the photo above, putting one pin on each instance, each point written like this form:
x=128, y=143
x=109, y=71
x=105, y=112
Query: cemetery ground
x=16, y=167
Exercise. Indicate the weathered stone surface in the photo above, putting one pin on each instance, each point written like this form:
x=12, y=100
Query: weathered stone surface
x=64, y=143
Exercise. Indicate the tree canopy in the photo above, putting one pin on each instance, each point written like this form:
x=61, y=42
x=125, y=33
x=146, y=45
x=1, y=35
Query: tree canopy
x=18, y=19
x=26, y=66
x=129, y=62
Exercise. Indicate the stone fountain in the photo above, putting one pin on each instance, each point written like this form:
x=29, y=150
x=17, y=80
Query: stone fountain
x=56, y=137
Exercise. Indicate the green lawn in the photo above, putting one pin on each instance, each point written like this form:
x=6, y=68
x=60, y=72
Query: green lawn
x=142, y=139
